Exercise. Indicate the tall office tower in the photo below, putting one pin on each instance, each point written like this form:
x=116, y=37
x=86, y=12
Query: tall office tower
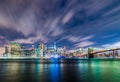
x=55, y=48
x=23, y=51
x=15, y=49
x=42, y=49
x=6, y=51
x=33, y=51
x=64, y=51
x=38, y=50
x=2, y=51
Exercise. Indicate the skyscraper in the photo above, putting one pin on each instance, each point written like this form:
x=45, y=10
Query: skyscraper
x=38, y=50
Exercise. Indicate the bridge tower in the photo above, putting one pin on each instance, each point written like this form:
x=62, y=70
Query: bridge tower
x=90, y=54
x=115, y=53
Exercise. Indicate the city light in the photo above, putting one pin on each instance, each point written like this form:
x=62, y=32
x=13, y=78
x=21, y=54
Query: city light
x=16, y=51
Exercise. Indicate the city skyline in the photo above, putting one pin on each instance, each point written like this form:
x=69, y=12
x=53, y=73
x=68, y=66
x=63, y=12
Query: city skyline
x=75, y=23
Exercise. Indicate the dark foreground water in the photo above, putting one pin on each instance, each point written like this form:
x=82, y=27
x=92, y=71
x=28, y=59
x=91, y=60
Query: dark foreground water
x=77, y=71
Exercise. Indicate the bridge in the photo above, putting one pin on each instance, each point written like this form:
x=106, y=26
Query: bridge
x=92, y=53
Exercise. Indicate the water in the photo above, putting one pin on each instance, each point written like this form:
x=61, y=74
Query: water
x=77, y=71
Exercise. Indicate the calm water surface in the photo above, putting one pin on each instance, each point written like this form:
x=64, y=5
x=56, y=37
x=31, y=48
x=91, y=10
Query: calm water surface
x=79, y=71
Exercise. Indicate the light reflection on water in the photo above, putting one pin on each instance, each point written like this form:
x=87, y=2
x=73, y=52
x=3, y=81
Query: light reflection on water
x=86, y=71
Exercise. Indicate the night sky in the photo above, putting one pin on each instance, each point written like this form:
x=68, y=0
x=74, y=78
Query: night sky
x=73, y=23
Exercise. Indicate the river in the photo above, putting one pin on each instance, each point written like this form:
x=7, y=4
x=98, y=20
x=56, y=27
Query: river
x=67, y=71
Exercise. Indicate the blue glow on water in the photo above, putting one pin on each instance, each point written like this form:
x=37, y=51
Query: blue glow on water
x=54, y=60
x=55, y=72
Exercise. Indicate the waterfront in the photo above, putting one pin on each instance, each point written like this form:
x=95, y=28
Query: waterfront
x=94, y=70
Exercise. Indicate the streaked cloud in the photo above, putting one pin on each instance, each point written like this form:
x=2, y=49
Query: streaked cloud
x=84, y=44
x=67, y=17
x=73, y=38
x=108, y=36
x=79, y=23
x=112, y=45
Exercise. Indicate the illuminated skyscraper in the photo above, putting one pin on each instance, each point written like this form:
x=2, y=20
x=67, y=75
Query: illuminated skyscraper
x=55, y=48
x=15, y=49
x=42, y=49
x=23, y=50
x=64, y=50
x=32, y=51
x=38, y=50
x=6, y=52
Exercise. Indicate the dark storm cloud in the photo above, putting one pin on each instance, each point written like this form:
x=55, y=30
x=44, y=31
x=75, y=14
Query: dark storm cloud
x=79, y=23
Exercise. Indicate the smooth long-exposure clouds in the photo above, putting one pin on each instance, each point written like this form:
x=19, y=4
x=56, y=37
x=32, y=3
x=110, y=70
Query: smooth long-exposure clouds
x=74, y=23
